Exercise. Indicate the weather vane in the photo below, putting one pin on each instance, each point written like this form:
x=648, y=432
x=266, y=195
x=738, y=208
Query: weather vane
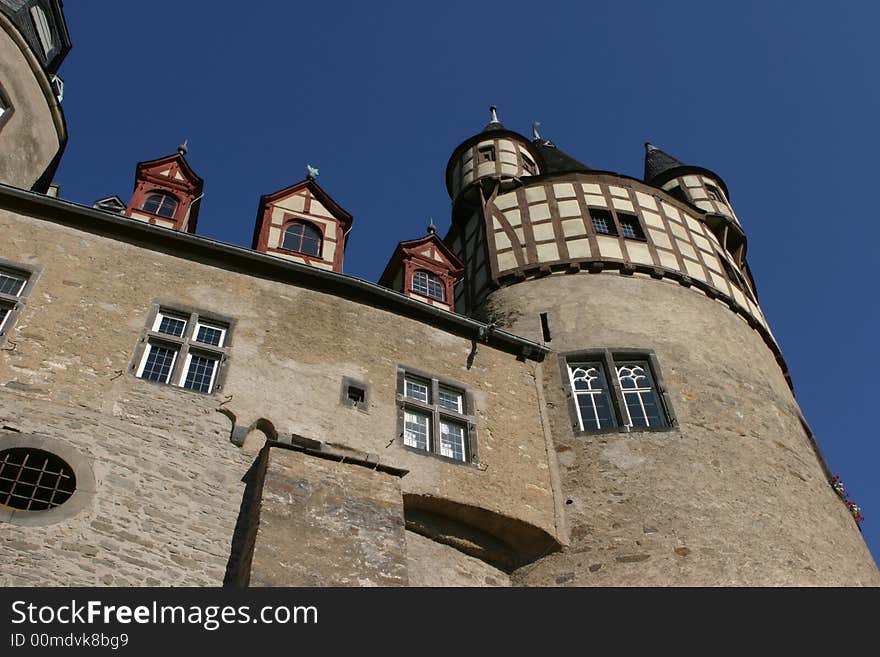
x=313, y=172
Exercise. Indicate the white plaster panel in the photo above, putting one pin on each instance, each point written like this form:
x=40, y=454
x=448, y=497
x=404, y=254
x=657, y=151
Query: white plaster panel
x=718, y=281
x=329, y=250
x=702, y=242
x=670, y=211
x=539, y=212
x=164, y=223
x=322, y=265
x=639, y=252
x=547, y=252
x=593, y=199
x=678, y=230
x=506, y=261
x=692, y=223
x=686, y=249
x=288, y=256
x=274, y=237
x=623, y=204
x=142, y=217
x=569, y=209
x=698, y=193
x=740, y=298
x=646, y=201
x=513, y=217
x=670, y=185
x=294, y=203
x=573, y=227
x=609, y=247
x=508, y=158
x=502, y=242
x=692, y=181
x=667, y=259
x=543, y=231
x=653, y=219
x=563, y=190
x=485, y=169
x=504, y=201
x=704, y=204
x=578, y=248
x=535, y=194
x=591, y=188
x=520, y=235
x=509, y=169
x=660, y=238
x=618, y=191
x=695, y=270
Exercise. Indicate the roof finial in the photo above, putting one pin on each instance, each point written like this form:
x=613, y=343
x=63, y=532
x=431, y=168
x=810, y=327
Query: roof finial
x=432, y=229
x=494, y=111
x=535, y=134
x=313, y=172
x=182, y=149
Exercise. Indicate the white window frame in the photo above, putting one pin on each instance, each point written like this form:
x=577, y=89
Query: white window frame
x=419, y=395
x=43, y=29
x=11, y=301
x=184, y=345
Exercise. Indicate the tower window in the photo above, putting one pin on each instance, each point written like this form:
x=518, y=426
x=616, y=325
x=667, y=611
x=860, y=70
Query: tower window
x=714, y=193
x=616, y=392
x=429, y=285
x=603, y=222
x=528, y=165
x=14, y=285
x=486, y=153
x=436, y=416
x=630, y=226
x=302, y=237
x=183, y=349
x=162, y=204
x=44, y=31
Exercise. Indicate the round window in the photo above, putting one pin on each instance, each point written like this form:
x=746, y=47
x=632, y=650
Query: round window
x=34, y=480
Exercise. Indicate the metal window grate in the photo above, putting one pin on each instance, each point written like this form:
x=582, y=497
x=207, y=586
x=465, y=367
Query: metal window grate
x=34, y=480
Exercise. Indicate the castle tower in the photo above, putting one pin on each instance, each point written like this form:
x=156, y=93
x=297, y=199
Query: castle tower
x=167, y=192
x=678, y=453
x=33, y=43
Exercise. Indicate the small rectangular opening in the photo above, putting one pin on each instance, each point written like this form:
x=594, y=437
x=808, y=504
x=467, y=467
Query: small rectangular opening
x=355, y=395
x=545, y=327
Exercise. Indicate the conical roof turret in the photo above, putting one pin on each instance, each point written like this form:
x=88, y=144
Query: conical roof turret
x=661, y=167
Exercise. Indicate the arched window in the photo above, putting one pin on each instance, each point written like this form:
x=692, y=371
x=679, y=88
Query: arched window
x=302, y=238
x=429, y=285
x=161, y=204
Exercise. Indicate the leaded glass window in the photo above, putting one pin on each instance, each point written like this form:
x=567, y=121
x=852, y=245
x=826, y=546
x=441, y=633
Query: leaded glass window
x=162, y=204
x=630, y=226
x=603, y=222
x=639, y=395
x=418, y=430
x=429, y=285
x=302, y=237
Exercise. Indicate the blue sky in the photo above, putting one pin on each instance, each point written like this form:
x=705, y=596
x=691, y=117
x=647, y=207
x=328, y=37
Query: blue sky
x=780, y=99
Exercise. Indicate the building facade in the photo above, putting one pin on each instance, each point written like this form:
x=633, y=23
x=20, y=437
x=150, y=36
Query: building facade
x=576, y=386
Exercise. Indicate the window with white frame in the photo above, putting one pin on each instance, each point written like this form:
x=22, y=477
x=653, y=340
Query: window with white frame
x=14, y=285
x=616, y=391
x=436, y=416
x=183, y=348
x=429, y=285
x=44, y=31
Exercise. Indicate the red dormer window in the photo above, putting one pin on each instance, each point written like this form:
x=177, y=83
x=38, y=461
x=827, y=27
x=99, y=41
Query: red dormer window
x=302, y=237
x=162, y=204
x=429, y=285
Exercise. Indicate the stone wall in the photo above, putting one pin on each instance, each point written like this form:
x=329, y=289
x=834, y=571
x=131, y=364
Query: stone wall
x=733, y=495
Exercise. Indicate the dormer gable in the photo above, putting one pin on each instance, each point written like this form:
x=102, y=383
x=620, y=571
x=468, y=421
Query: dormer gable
x=111, y=204
x=167, y=192
x=303, y=224
x=424, y=269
